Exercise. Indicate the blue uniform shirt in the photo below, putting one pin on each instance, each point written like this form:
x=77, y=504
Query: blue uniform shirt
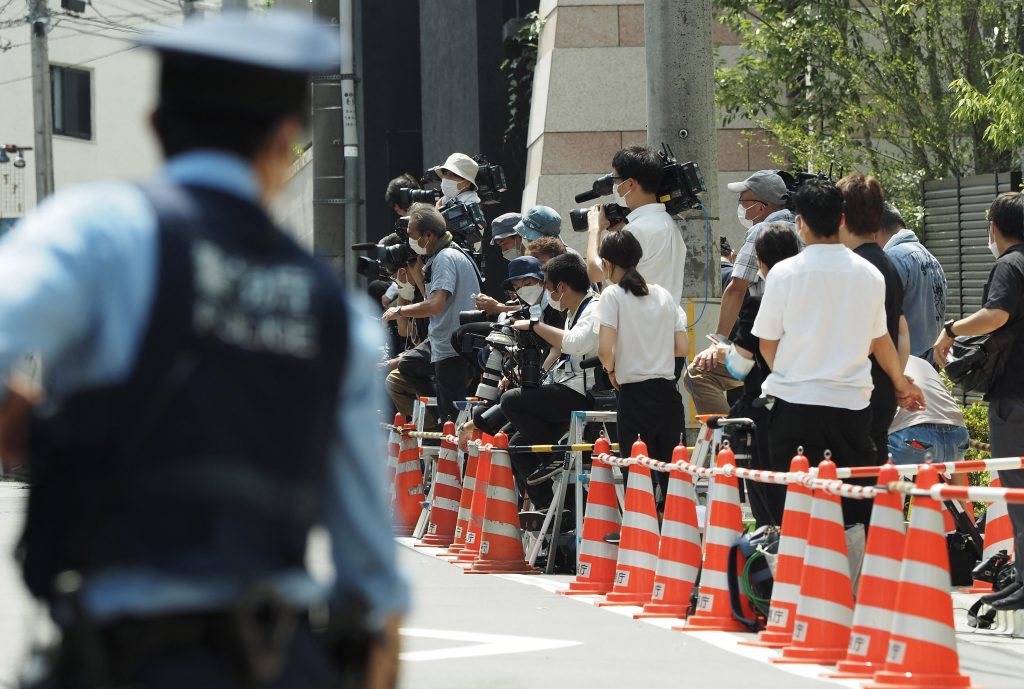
x=79, y=282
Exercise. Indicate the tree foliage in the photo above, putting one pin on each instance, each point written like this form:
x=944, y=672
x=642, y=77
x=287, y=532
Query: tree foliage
x=866, y=84
x=1002, y=106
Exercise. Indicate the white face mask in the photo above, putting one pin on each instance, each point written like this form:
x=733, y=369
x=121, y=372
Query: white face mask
x=406, y=290
x=530, y=294
x=741, y=213
x=416, y=247
x=992, y=246
x=509, y=254
x=450, y=188
x=617, y=198
x=556, y=304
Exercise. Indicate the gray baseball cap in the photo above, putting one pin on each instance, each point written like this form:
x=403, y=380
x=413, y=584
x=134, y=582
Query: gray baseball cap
x=765, y=185
x=504, y=226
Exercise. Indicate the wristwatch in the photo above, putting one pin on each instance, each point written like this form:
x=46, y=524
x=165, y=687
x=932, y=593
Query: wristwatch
x=398, y=311
x=948, y=327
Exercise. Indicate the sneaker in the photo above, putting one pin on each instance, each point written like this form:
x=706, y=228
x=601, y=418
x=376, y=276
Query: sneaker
x=990, y=598
x=545, y=472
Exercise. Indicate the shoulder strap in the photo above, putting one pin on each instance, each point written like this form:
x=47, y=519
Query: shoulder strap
x=476, y=268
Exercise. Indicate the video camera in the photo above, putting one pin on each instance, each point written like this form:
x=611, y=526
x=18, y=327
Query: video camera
x=794, y=181
x=387, y=256
x=679, y=188
x=614, y=212
x=465, y=221
x=490, y=181
x=406, y=196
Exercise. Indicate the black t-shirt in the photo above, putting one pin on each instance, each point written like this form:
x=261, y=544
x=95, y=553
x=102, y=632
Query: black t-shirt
x=884, y=395
x=745, y=338
x=1005, y=291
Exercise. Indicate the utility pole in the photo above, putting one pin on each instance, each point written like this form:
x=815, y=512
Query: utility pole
x=235, y=5
x=42, y=103
x=328, y=161
x=681, y=113
x=350, y=134
x=188, y=8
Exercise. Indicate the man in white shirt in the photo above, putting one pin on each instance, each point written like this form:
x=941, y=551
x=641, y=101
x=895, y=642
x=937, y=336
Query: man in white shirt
x=636, y=173
x=822, y=315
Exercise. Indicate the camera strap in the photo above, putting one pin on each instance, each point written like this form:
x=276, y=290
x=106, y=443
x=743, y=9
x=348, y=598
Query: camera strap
x=566, y=359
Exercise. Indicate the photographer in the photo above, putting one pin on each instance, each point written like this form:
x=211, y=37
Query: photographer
x=458, y=180
x=1003, y=308
x=504, y=236
x=637, y=172
x=449, y=280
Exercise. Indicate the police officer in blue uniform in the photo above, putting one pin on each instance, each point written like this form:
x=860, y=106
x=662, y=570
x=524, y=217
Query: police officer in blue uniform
x=210, y=395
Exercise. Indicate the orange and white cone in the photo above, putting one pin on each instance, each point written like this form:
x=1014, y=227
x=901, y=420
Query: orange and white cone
x=725, y=525
x=444, y=508
x=821, y=631
x=408, y=486
x=922, y=645
x=879, y=581
x=501, y=543
x=638, y=544
x=796, y=517
x=394, y=450
x=476, y=511
x=998, y=534
x=595, y=571
x=466, y=499
x=679, y=551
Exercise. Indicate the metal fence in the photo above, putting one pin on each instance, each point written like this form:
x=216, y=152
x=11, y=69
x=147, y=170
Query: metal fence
x=956, y=232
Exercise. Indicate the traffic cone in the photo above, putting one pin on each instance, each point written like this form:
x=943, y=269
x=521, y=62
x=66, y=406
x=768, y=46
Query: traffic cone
x=408, y=486
x=922, y=646
x=792, y=544
x=595, y=571
x=679, y=550
x=879, y=580
x=466, y=499
x=821, y=631
x=394, y=449
x=476, y=511
x=501, y=543
x=998, y=534
x=444, y=508
x=638, y=545
x=725, y=525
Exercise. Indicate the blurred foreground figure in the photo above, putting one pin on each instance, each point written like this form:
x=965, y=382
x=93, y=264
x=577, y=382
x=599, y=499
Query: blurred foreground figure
x=209, y=387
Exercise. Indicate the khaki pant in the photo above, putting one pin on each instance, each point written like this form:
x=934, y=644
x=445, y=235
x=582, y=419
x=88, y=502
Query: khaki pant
x=403, y=395
x=708, y=388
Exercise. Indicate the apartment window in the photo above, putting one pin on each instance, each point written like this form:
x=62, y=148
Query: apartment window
x=72, y=101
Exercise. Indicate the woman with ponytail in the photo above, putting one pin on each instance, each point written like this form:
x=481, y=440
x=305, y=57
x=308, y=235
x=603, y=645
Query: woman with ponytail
x=642, y=331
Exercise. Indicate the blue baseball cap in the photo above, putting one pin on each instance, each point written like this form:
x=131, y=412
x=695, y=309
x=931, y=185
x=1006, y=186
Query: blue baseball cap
x=540, y=221
x=522, y=268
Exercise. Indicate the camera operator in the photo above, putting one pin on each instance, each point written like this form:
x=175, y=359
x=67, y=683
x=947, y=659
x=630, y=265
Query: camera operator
x=762, y=200
x=458, y=180
x=449, y=280
x=637, y=172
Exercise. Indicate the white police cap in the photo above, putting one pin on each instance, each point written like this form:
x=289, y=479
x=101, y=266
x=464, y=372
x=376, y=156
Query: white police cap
x=282, y=40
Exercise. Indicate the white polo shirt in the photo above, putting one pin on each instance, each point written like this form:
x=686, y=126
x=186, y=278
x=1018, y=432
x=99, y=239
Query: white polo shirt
x=645, y=337
x=664, y=249
x=825, y=305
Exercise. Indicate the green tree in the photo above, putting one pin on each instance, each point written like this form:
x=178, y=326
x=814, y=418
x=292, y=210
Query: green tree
x=1001, y=105
x=866, y=85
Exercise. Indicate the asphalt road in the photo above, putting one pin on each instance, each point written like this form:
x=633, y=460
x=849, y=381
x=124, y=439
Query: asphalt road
x=498, y=631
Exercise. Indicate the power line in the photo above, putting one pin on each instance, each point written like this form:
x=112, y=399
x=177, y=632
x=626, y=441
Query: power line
x=77, y=64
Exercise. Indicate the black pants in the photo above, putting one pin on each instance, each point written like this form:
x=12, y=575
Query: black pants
x=1006, y=433
x=767, y=500
x=417, y=370
x=452, y=377
x=653, y=411
x=468, y=340
x=845, y=432
x=541, y=417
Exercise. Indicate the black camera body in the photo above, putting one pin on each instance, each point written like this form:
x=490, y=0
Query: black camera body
x=795, y=180
x=614, y=212
x=513, y=354
x=681, y=183
x=465, y=221
x=996, y=570
x=387, y=256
